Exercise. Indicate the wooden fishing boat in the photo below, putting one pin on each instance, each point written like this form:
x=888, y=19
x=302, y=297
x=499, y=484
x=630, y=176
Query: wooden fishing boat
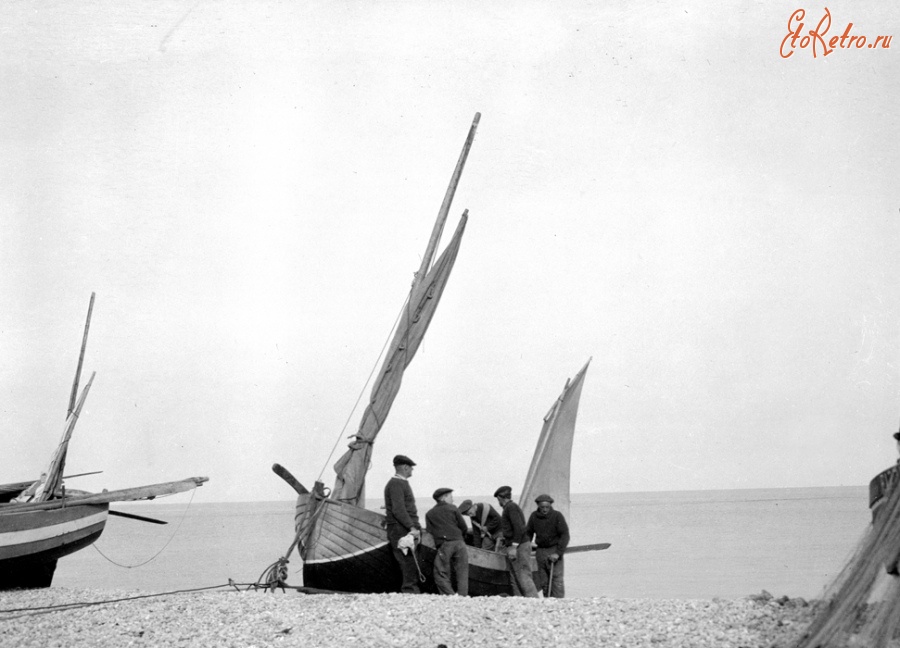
x=32, y=542
x=343, y=545
x=41, y=521
x=861, y=606
x=346, y=548
x=880, y=485
x=548, y=473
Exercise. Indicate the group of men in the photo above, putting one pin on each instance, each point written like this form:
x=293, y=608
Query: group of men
x=508, y=532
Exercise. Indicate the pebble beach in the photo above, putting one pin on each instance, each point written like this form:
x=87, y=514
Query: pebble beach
x=257, y=618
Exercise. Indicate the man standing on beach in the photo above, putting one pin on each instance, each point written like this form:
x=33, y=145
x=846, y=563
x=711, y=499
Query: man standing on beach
x=551, y=535
x=518, y=552
x=403, y=522
x=485, y=523
x=448, y=527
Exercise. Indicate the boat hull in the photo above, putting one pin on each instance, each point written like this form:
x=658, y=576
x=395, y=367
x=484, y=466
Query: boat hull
x=31, y=542
x=345, y=549
x=880, y=486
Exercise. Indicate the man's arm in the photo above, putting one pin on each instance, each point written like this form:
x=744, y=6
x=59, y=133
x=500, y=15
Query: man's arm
x=518, y=522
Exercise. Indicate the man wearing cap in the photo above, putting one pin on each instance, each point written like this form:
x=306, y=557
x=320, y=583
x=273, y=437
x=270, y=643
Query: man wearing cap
x=551, y=535
x=402, y=519
x=485, y=523
x=518, y=552
x=445, y=523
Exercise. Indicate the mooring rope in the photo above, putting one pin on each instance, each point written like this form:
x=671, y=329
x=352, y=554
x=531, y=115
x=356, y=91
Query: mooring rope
x=46, y=609
x=153, y=557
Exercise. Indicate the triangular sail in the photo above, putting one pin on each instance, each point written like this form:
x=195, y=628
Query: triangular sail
x=352, y=467
x=423, y=299
x=550, y=466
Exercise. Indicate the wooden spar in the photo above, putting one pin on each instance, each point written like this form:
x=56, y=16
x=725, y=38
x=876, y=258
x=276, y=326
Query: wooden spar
x=124, y=495
x=96, y=472
x=58, y=462
x=286, y=475
x=87, y=326
x=23, y=485
x=591, y=547
x=448, y=199
x=132, y=516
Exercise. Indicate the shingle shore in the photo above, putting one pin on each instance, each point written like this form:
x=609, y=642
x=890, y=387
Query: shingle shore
x=258, y=618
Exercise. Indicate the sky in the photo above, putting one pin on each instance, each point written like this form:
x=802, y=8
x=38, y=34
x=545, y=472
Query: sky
x=248, y=188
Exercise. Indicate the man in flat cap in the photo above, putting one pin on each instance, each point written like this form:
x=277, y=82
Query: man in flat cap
x=445, y=523
x=402, y=520
x=485, y=523
x=518, y=552
x=551, y=535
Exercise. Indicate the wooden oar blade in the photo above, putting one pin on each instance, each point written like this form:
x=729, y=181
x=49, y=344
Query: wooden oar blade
x=286, y=475
x=591, y=547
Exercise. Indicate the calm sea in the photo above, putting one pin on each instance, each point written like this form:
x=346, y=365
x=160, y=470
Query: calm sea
x=699, y=544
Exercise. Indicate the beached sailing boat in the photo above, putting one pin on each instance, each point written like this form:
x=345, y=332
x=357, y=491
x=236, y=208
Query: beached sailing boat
x=548, y=473
x=41, y=521
x=343, y=545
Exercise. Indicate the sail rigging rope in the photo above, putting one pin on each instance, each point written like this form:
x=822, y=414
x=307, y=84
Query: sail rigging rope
x=364, y=387
x=153, y=557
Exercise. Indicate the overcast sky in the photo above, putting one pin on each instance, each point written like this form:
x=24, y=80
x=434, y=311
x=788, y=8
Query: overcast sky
x=249, y=186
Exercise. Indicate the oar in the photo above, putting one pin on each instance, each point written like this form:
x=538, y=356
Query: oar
x=132, y=516
x=590, y=547
x=550, y=582
x=286, y=475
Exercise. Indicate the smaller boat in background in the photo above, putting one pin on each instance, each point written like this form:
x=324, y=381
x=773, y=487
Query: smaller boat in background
x=41, y=521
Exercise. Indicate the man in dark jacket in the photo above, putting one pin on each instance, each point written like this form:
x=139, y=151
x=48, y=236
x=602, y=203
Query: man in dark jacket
x=448, y=528
x=551, y=535
x=403, y=522
x=485, y=523
x=518, y=552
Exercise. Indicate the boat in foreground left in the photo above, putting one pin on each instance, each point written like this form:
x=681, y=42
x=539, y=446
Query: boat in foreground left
x=41, y=521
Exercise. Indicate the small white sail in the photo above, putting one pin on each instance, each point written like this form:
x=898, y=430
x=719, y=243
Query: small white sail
x=551, y=464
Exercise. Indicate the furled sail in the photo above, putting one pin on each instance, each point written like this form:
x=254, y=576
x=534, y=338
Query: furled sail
x=420, y=308
x=423, y=299
x=50, y=481
x=550, y=466
x=54, y=474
